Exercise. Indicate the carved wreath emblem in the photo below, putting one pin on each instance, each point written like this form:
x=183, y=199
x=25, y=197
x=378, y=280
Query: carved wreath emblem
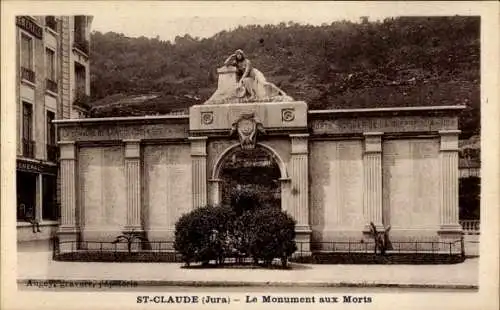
x=207, y=118
x=287, y=115
x=247, y=127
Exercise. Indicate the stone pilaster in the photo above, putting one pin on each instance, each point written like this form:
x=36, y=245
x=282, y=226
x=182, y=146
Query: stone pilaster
x=299, y=192
x=199, y=170
x=286, y=204
x=372, y=183
x=69, y=228
x=133, y=179
x=64, y=78
x=448, y=158
x=215, y=190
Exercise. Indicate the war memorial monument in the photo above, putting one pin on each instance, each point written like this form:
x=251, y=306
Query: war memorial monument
x=335, y=171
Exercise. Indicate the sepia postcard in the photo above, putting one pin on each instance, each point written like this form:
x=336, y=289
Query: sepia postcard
x=250, y=154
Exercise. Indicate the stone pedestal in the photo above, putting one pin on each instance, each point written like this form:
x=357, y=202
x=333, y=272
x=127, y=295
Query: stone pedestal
x=69, y=228
x=227, y=84
x=199, y=170
x=372, y=183
x=299, y=192
x=133, y=181
x=448, y=159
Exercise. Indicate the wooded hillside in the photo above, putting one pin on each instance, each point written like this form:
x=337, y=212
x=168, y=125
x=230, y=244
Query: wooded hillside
x=406, y=61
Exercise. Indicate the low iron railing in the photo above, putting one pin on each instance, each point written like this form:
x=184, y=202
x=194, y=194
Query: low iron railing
x=51, y=85
x=28, y=74
x=452, y=248
x=28, y=148
x=397, y=247
x=82, y=44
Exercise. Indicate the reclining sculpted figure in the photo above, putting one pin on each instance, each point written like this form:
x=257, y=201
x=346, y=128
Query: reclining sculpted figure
x=250, y=86
x=253, y=81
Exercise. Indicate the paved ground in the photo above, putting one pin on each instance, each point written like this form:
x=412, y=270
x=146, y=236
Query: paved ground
x=38, y=265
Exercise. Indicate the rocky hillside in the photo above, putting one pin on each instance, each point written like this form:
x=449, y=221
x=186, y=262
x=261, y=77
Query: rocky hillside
x=406, y=61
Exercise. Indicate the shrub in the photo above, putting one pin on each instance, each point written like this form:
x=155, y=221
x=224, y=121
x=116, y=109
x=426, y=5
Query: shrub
x=245, y=200
x=271, y=234
x=214, y=233
x=201, y=235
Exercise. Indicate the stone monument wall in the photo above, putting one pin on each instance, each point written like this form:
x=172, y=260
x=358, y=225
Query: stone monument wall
x=340, y=169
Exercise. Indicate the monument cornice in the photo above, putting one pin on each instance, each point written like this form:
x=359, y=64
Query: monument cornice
x=124, y=120
x=392, y=111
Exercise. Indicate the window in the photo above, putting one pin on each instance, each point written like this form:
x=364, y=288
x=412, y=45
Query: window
x=49, y=206
x=27, y=72
x=26, y=196
x=26, y=52
x=51, y=64
x=51, y=130
x=80, y=83
x=28, y=144
x=50, y=21
x=51, y=137
x=80, y=29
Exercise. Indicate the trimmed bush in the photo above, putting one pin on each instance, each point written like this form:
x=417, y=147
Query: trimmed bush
x=215, y=233
x=201, y=235
x=271, y=235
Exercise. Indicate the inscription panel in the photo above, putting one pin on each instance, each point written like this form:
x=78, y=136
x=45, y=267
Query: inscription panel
x=411, y=183
x=101, y=173
x=387, y=124
x=167, y=185
x=107, y=132
x=336, y=179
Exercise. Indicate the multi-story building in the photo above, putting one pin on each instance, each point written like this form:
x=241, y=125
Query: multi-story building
x=53, y=82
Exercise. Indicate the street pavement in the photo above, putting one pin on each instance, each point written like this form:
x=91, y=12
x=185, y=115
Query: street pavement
x=40, y=266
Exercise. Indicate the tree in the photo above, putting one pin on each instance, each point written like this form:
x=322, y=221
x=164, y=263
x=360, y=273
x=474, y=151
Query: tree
x=130, y=237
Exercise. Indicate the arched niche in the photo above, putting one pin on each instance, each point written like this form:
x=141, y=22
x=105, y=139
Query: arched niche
x=233, y=160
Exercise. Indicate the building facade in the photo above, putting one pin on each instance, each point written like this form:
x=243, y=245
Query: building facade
x=53, y=82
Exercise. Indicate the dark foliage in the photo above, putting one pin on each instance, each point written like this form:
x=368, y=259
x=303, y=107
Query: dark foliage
x=404, y=61
x=271, y=235
x=216, y=233
x=200, y=235
x=469, y=199
x=245, y=201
